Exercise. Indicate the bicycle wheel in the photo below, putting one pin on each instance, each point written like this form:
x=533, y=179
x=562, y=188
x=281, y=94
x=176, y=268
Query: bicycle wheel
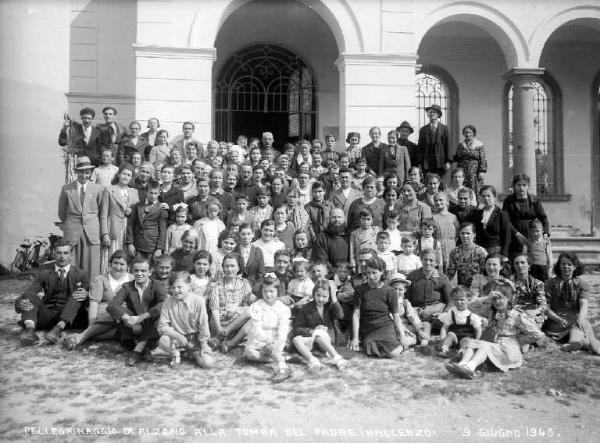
x=17, y=264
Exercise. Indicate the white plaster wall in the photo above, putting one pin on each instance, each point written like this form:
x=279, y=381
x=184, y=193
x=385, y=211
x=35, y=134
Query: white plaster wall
x=34, y=76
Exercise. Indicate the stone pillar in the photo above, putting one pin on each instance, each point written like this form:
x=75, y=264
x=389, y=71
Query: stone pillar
x=523, y=123
x=175, y=84
x=375, y=90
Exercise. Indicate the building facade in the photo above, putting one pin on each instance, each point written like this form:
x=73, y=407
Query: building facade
x=525, y=74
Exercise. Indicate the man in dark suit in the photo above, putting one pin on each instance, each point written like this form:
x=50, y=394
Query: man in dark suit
x=181, y=141
x=65, y=289
x=432, y=153
x=404, y=130
x=136, y=309
x=147, y=228
x=150, y=135
x=251, y=260
x=83, y=212
x=331, y=245
x=112, y=132
x=132, y=143
x=82, y=138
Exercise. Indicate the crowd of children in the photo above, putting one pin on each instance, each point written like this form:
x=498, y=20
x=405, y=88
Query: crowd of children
x=317, y=247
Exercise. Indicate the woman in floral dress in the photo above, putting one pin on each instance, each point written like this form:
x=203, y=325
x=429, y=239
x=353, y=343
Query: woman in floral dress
x=468, y=258
x=470, y=156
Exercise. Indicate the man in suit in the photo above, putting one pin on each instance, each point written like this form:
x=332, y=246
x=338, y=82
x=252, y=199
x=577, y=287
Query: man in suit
x=150, y=135
x=65, y=289
x=83, y=212
x=132, y=143
x=82, y=138
x=181, y=141
x=250, y=257
x=343, y=197
x=404, y=130
x=147, y=228
x=136, y=309
x=433, y=143
x=112, y=132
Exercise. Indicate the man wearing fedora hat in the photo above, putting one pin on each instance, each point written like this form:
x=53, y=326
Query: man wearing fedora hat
x=432, y=153
x=83, y=212
x=404, y=130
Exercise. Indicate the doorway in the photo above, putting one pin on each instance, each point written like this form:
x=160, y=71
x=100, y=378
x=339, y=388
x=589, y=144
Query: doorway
x=265, y=88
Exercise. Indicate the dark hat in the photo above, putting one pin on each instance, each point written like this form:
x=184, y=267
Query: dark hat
x=83, y=163
x=406, y=125
x=435, y=108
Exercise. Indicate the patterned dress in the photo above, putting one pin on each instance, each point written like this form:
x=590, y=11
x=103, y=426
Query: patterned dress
x=505, y=351
x=530, y=299
x=472, y=159
x=446, y=231
x=466, y=263
x=230, y=299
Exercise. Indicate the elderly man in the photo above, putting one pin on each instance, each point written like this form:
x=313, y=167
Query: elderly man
x=136, y=309
x=332, y=244
x=267, y=141
x=65, y=289
x=83, y=212
x=82, y=138
x=432, y=149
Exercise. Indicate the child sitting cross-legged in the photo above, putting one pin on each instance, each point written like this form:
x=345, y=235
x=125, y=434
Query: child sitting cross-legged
x=299, y=289
x=458, y=323
x=268, y=328
x=183, y=324
x=314, y=327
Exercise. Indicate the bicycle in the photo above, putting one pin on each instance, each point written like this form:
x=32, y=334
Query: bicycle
x=20, y=262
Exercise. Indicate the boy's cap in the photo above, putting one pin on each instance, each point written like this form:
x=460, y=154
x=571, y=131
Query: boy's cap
x=399, y=278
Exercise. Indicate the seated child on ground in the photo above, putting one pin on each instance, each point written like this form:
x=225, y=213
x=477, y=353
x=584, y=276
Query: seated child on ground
x=407, y=260
x=414, y=329
x=458, y=323
x=314, y=327
x=183, y=323
x=268, y=329
x=299, y=290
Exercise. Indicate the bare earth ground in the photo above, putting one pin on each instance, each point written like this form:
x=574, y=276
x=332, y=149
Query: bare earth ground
x=47, y=392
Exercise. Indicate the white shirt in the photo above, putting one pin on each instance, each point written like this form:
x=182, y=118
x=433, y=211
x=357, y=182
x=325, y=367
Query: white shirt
x=87, y=132
x=66, y=269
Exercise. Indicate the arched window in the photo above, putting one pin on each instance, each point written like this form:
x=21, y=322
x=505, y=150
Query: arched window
x=436, y=86
x=265, y=88
x=548, y=150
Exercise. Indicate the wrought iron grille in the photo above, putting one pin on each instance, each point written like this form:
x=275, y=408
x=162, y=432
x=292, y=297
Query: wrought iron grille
x=268, y=79
x=431, y=90
x=544, y=137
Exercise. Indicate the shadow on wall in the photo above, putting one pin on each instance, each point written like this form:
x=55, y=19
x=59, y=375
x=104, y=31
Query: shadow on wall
x=31, y=165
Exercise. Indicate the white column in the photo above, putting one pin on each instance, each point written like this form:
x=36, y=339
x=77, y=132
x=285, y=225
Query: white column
x=375, y=90
x=175, y=84
x=523, y=122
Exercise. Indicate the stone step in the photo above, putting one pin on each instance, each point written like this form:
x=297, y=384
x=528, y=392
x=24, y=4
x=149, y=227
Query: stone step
x=564, y=231
x=586, y=248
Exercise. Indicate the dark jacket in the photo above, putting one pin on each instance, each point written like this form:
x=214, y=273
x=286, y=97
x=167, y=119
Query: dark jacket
x=497, y=232
x=127, y=148
x=254, y=269
x=318, y=213
x=412, y=150
x=128, y=300
x=147, y=231
x=433, y=147
x=74, y=139
x=171, y=197
x=521, y=213
x=331, y=246
x=375, y=157
x=308, y=318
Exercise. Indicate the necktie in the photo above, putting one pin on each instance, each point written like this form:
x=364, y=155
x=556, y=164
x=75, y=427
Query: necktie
x=113, y=133
x=82, y=194
x=86, y=135
x=61, y=274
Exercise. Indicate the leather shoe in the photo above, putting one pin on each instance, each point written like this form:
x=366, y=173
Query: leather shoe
x=53, y=336
x=134, y=358
x=28, y=337
x=281, y=375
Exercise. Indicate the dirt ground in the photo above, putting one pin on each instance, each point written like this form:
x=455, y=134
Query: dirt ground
x=49, y=394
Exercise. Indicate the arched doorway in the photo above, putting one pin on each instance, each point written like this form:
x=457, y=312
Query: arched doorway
x=265, y=87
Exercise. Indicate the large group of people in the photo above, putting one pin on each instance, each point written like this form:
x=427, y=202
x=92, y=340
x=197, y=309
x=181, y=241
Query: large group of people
x=186, y=249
